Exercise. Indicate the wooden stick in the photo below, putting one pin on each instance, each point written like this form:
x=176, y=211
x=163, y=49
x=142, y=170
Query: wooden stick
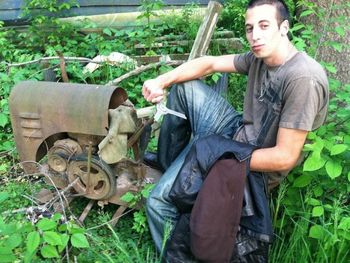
x=206, y=30
x=142, y=69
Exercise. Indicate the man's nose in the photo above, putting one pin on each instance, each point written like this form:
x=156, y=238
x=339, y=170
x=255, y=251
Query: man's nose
x=256, y=34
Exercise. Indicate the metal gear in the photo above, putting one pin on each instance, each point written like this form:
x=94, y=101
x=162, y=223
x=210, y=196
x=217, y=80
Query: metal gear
x=99, y=184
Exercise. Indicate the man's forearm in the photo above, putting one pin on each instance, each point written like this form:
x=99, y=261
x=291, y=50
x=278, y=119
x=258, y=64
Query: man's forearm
x=281, y=157
x=271, y=160
x=190, y=70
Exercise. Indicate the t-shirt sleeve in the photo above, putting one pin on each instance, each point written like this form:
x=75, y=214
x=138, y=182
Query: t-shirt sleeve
x=242, y=62
x=305, y=103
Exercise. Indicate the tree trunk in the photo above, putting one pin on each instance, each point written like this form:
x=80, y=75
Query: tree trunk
x=337, y=14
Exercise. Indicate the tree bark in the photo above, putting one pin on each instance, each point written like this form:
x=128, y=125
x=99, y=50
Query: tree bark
x=337, y=13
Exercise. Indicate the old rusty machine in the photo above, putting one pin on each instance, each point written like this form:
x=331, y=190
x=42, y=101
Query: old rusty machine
x=83, y=137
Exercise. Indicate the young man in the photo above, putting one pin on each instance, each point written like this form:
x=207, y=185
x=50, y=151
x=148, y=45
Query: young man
x=286, y=96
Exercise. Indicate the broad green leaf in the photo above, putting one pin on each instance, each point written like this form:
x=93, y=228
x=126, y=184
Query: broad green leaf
x=128, y=197
x=13, y=241
x=321, y=131
x=48, y=251
x=52, y=238
x=314, y=162
x=349, y=176
x=347, y=139
x=317, y=211
x=328, y=207
x=338, y=149
x=56, y=217
x=311, y=135
x=79, y=240
x=344, y=234
x=33, y=241
x=64, y=239
x=318, y=191
x=8, y=229
x=316, y=232
x=4, y=196
x=302, y=180
x=333, y=169
x=345, y=224
x=313, y=201
x=46, y=224
x=7, y=258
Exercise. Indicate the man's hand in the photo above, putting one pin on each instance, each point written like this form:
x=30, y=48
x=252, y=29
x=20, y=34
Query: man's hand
x=153, y=90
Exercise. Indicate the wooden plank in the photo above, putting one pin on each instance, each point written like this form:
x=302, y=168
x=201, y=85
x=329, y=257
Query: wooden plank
x=206, y=30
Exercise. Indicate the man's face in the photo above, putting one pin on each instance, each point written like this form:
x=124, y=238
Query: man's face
x=262, y=30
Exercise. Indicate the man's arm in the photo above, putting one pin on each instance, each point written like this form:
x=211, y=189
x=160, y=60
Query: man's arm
x=283, y=156
x=153, y=89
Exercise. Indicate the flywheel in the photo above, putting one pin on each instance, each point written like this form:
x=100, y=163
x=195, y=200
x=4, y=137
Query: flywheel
x=97, y=182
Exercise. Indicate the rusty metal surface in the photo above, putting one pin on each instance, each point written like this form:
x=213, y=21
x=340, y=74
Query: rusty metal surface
x=43, y=109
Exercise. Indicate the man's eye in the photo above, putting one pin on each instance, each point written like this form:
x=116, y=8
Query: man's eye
x=248, y=30
x=264, y=26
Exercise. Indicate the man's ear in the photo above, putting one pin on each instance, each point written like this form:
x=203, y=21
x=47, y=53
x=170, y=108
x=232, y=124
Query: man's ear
x=284, y=28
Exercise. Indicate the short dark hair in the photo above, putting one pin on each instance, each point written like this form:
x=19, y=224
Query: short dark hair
x=281, y=8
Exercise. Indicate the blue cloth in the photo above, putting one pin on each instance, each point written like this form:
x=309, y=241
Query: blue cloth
x=207, y=113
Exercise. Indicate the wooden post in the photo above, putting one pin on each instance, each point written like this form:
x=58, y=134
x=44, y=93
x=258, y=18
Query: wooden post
x=206, y=30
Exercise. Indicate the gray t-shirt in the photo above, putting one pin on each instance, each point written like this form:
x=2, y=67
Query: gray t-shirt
x=293, y=95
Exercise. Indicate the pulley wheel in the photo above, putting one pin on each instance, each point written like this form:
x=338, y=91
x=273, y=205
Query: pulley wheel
x=60, y=152
x=99, y=185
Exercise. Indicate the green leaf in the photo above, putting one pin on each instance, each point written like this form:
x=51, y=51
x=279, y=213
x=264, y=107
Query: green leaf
x=64, y=240
x=3, y=166
x=8, y=229
x=331, y=68
x=349, y=176
x=340, y=30
x=4, y=196
x=302, y=180
x=33, y=241
x=314, y=162
x=333, y=168
x=46, y=224
x=13, y=241
x=313, y=201
x=128, y=197
x=345, y=224
x=52, y=238
x=317, y=211
x=7, y=258
x=338, y=149
x=306, y=13
x=107, y=31
x=3, y=120
x=316, y=232
x=79, y=241
x=48, y=251
x=318, y=191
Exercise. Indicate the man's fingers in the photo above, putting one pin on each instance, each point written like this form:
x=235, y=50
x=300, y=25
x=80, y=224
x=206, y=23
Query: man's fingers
x=157, y=99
